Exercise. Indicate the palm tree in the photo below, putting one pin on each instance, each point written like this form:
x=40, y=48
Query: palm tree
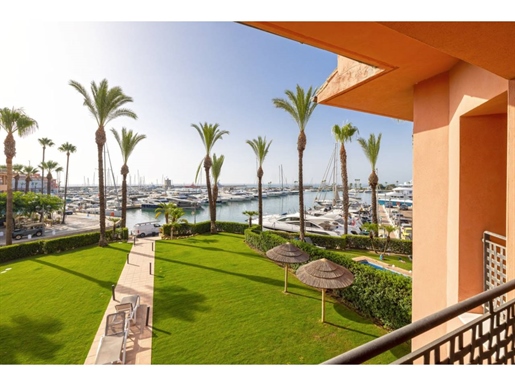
x=50, y=166
x=127, y=142
x=44, y=142
x=175, y=219
x=372, y=230
x=371, y=150
x=209, y=134
x=260, y=147
x=12, y=121
x=67, y=148
x=105, y=104
x=17, y=168
x=300, y=106
x=29, y=171
x=344, y=134
x=216, y=170
x=388, y=228
x=249, y=214
x=165, y=208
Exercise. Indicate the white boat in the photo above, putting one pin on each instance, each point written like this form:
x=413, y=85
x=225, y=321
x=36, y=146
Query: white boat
x=313, y=224
x=353, y=225
x=402, y=194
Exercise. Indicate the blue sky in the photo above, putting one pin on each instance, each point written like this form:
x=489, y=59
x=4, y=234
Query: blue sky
x=179, y=74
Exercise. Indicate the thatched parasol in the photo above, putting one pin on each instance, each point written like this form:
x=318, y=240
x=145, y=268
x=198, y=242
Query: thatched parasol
x=287, y=254
x=325, y=274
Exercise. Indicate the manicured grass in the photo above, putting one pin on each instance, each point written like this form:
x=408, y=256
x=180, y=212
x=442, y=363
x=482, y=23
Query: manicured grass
x=216, y=301
x=52, y=305
x=401, y=261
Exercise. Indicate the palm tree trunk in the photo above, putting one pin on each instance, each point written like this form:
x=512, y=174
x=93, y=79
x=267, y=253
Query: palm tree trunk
x=27, y=183
x=373, y=180
x=43, y=172
x=301, y=145
x=260, y=198
x=124, y=199
x=215, y=197
x=65, y=186
x=49, y=179
x=345, y=186
x=16, y=179
x=374, y=204
x=372, y=241
x=212, y=204
x=386, y=244
x=10, y=152
x=100, y=139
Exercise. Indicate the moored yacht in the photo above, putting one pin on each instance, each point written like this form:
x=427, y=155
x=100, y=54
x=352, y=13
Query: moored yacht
x=402, y=194
x=313, y=224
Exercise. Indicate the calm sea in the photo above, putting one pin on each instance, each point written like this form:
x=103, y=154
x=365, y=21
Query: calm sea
x=233, y=211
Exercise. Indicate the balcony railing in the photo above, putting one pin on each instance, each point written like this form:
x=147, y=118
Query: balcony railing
x=495, y=261
x=488, y=339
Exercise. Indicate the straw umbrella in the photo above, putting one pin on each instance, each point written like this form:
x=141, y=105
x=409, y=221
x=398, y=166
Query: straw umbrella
x=324, y=274
x=287, y=254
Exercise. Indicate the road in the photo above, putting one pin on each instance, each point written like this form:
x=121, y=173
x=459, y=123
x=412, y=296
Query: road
x=75, y=223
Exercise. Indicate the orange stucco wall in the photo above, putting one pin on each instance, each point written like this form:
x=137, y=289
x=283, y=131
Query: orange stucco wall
x=482, y=194
x=430, y=181
x=470, y=88
x=455, y=154
x=510, y=182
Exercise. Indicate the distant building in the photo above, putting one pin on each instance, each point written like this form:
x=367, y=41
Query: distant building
x=34, y=184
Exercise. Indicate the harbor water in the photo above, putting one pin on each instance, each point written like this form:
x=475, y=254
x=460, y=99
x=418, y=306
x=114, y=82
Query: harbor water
x=233, y=211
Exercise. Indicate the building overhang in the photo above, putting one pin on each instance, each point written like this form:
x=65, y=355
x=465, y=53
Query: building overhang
x=379, y=63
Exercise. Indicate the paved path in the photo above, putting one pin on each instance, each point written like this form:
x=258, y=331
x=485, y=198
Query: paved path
x=136, y=278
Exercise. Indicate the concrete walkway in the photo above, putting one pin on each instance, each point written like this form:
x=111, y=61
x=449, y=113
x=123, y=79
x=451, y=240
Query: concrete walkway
x=137, y=278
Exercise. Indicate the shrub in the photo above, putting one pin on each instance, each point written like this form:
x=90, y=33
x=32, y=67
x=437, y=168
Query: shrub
x=19, y=251
x=58, y=244
x=71, y=242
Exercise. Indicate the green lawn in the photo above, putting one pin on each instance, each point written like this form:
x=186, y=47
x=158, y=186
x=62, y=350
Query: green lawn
x=51, y=306
x=216, y=301
x=401, y=261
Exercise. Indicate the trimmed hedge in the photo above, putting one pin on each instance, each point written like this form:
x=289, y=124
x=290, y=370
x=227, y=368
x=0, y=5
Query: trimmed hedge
x=53, y=245
x=396, y=246
x=380, y=295
x=19, y=251
x=202, y=228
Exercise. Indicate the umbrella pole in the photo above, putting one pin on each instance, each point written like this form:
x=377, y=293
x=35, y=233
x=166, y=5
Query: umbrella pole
x=285, y=277
x=323, y=305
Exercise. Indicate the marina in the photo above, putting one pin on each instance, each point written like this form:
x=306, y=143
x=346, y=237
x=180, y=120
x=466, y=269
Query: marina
x=233, y=201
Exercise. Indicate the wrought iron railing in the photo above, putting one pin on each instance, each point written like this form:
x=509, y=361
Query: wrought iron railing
x=495, y=260
x=490, y=338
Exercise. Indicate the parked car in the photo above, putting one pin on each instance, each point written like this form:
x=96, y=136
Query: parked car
x=149, y=228
x=407, y=233
x=32, y=229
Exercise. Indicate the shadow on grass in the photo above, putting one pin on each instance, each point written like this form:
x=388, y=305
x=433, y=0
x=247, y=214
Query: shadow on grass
x=102, y=283
x=178, y=302
x=201, y=245
x=260, y=279
x=29, y=340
